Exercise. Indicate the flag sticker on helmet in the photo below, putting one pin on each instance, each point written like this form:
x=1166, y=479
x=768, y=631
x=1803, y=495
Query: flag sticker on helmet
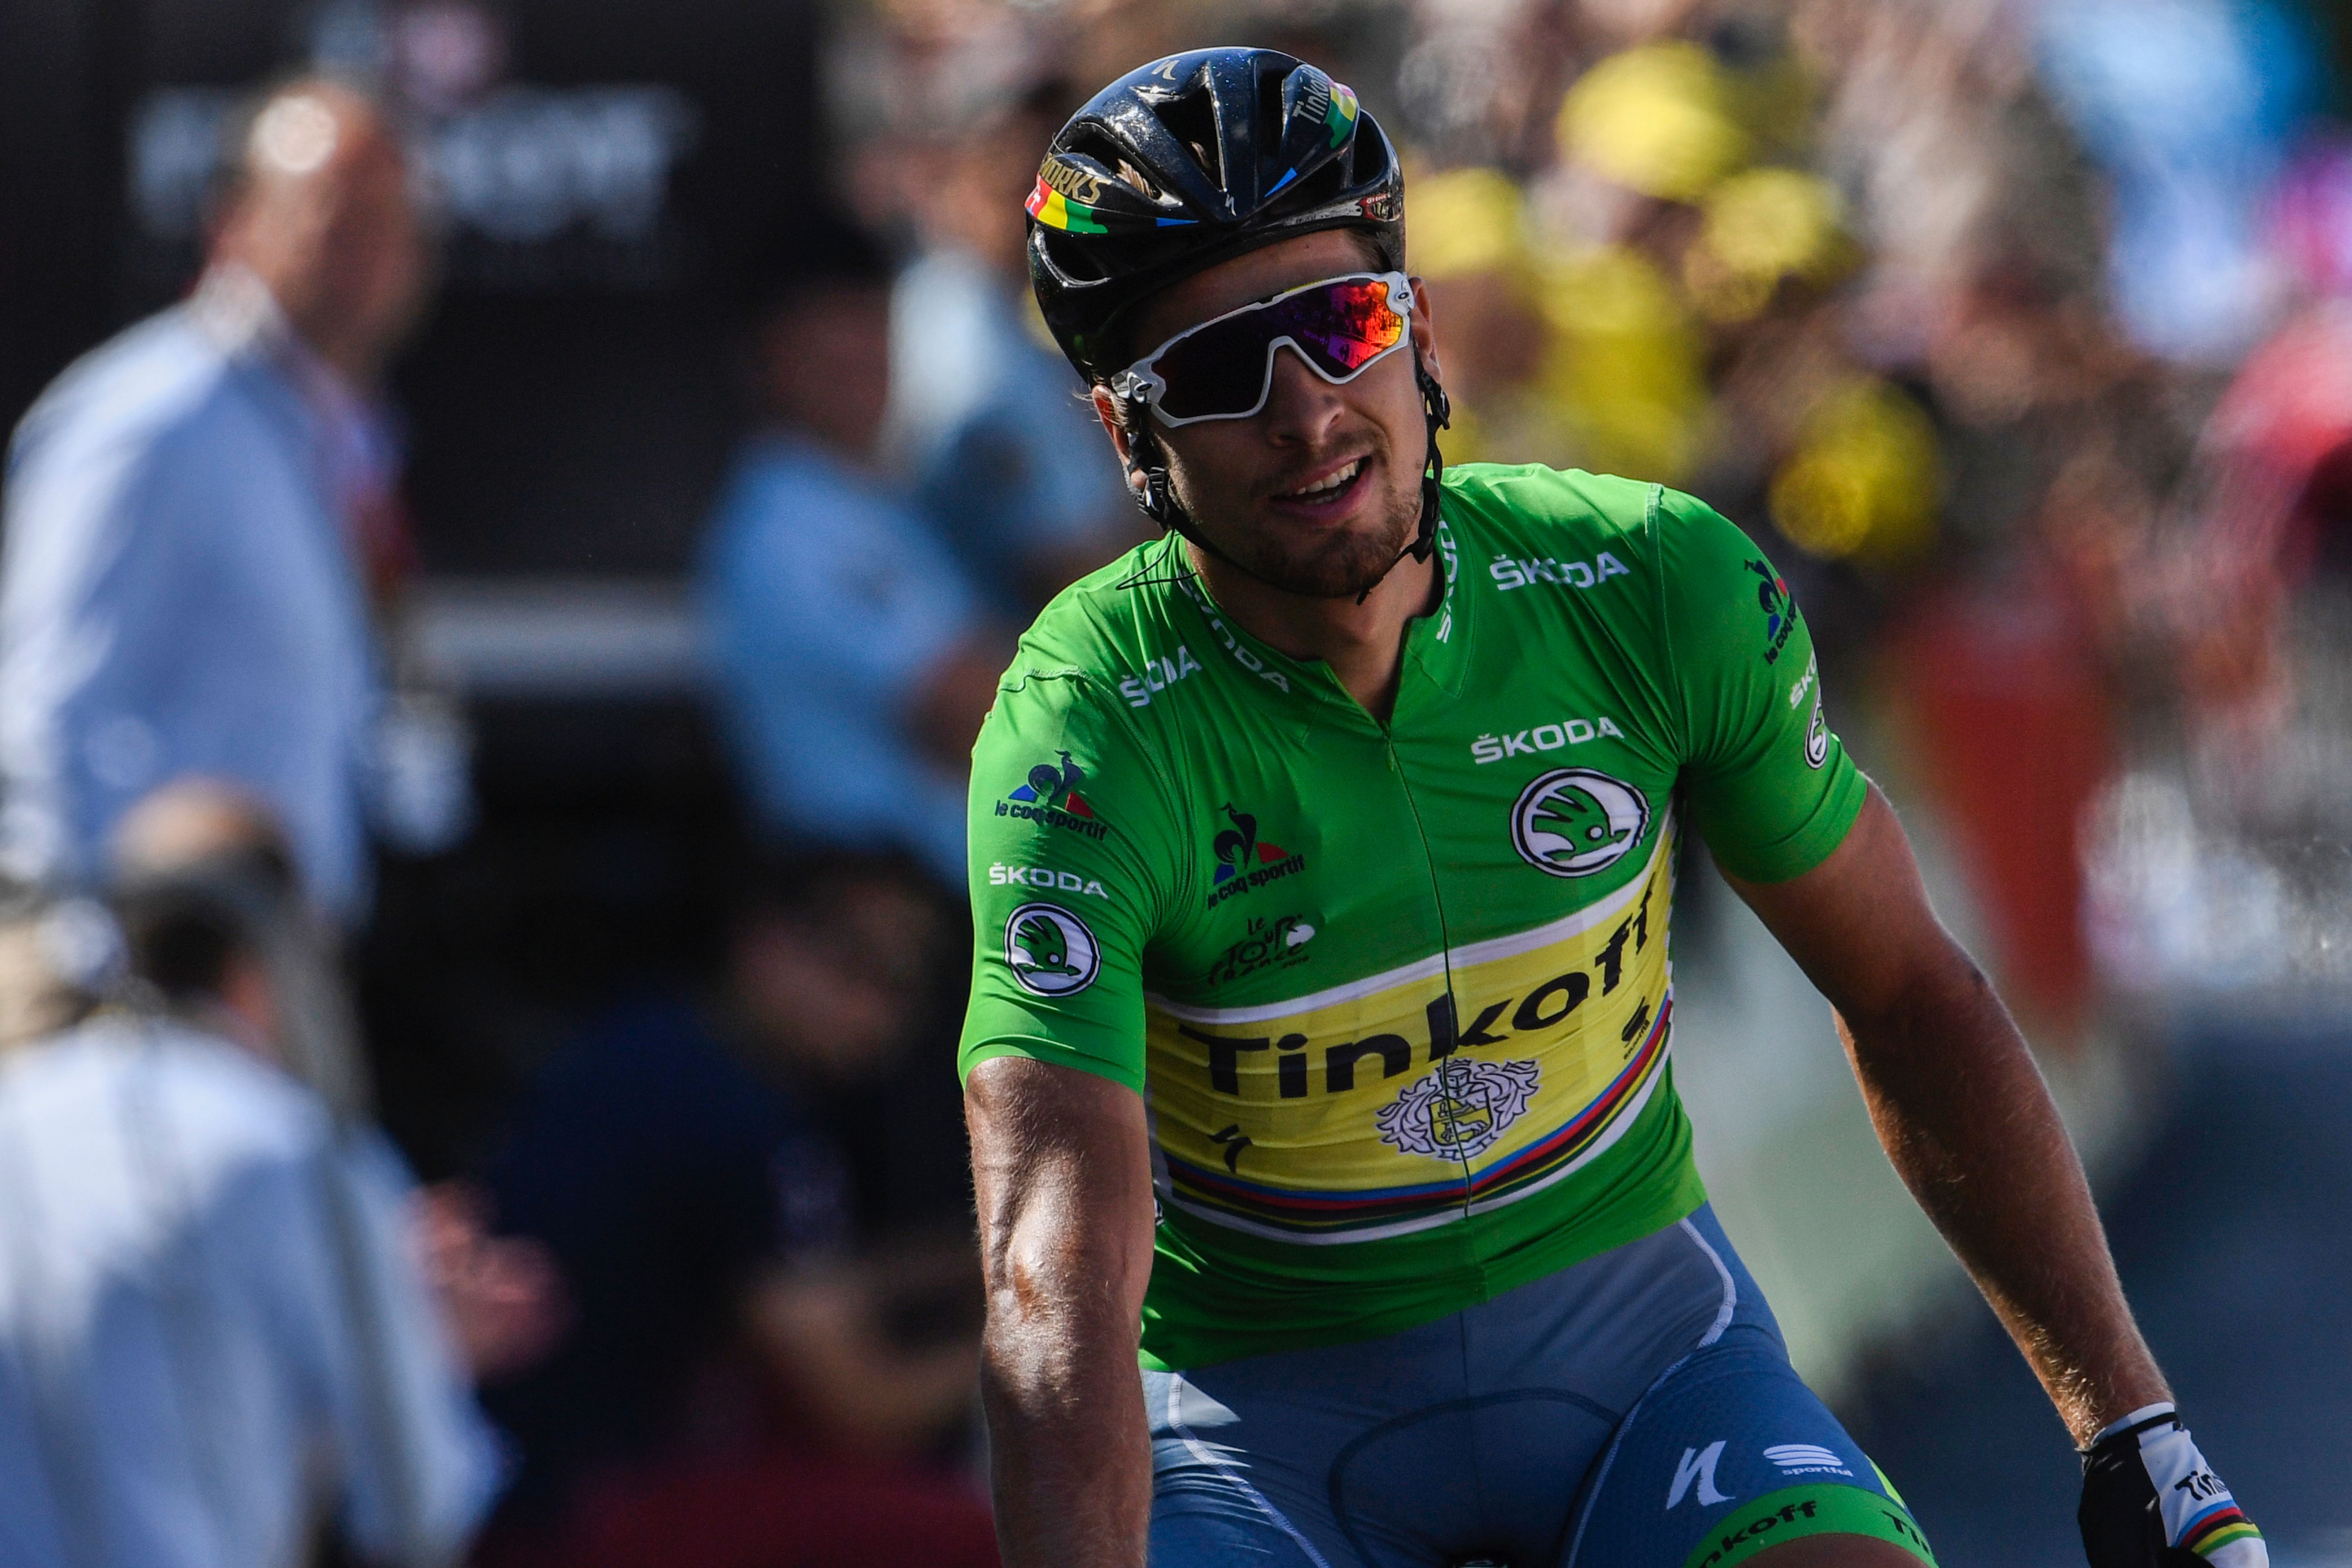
x=1065, y=199
x=1341, y=116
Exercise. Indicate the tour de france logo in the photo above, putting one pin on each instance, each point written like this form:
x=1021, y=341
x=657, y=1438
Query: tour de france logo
x=1572, y=822
x=1458, y=1112
x=1050, y=950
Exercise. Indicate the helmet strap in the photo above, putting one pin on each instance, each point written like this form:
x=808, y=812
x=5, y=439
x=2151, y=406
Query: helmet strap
x=1438, y=411
x=1153, y=492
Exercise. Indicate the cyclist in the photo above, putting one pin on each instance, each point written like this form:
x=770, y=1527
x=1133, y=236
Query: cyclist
x=1322, y=859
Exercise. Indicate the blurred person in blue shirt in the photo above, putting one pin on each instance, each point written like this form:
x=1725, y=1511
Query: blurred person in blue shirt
x=214, y=1332
x=762, y=1231
x=189, y=512
x=854, y=657
x=985, y=413
x=2188, y=105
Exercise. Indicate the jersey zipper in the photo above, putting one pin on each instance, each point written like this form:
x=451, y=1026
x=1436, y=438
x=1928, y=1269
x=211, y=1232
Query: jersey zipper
x=1445, y=948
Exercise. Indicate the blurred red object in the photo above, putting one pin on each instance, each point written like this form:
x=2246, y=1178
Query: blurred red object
x=782, y=1510
x=2014, y=730
x=2281, y=440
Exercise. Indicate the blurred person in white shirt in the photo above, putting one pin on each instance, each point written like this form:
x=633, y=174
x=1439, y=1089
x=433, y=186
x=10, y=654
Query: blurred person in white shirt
x=218, y=1338
x=197, y=513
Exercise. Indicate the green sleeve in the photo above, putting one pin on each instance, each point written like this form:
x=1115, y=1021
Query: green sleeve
x=1769, y=787
x=1069, y=880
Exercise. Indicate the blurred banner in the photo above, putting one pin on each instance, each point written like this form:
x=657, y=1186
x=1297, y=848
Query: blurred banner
x=600, y=174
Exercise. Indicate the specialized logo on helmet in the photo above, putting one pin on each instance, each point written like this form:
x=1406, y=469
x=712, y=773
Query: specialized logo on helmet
x=1573, y=822
x=1051, y=952
x=1458, y=1112
x=1078, y=184
x=1069, y=197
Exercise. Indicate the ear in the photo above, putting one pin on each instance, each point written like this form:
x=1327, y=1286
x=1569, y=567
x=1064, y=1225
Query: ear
x=1107, y=410
x=1424, y=329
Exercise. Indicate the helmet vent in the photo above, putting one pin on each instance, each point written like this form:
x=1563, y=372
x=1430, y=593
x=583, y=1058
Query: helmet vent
x=1191, y=116
x=1128, y=174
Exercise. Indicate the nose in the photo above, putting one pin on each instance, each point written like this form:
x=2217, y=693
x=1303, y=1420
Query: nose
x=1301, y=407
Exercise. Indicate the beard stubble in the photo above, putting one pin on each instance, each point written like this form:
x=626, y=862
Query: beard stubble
x=1342, y=566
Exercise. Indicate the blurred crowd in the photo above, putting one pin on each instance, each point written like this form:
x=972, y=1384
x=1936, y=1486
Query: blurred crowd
x=2017, y=331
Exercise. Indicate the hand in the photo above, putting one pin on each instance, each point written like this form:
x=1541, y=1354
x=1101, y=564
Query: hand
x=501, y=1296
x=2150, y=1500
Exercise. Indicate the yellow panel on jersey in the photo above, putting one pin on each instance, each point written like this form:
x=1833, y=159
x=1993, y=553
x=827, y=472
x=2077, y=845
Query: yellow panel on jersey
x=1377, y=1108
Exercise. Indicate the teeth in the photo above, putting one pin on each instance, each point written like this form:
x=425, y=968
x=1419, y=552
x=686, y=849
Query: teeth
x=1334, y=482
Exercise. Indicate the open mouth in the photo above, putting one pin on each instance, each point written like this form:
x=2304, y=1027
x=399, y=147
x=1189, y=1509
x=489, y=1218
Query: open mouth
x=1332, y=489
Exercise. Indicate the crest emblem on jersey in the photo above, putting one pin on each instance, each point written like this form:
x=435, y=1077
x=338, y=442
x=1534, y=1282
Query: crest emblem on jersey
x=1050, y=951
x=1573, y=822
x=1458, y=1112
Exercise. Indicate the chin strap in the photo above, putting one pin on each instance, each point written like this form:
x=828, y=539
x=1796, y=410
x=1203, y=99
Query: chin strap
x=1155, y=495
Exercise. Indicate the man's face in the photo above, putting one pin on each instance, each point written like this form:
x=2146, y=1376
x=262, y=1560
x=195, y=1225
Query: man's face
x=836, y=998
x=1259, y=488
x=328, y=222
x=826, y=355
x=379, y=248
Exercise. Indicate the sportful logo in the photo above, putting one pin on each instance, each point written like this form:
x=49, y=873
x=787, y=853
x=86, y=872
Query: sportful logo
x=1458, y=1112
x=1051, y=796
x=1050, y=951
x=1243, y=863
x=1573, y=822
x=1806, y=1458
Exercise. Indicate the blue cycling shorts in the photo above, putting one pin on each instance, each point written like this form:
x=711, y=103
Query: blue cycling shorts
x=1637, y=1410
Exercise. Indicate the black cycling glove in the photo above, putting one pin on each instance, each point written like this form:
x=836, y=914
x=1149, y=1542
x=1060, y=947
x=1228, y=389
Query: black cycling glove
x=2150, y=1500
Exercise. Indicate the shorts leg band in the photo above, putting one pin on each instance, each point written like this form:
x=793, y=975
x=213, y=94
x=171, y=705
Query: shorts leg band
x=1796, y=1511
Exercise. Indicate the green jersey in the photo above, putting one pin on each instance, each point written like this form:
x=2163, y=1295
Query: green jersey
x=1396, y=994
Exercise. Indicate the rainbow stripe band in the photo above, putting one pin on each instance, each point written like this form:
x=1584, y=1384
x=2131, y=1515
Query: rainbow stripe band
x=2216, y=1529
x=1054, y=210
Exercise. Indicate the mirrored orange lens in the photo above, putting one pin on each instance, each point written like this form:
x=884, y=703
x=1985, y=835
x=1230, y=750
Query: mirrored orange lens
x=1222, y=369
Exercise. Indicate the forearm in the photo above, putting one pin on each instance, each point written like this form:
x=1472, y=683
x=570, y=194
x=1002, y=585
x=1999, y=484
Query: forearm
x=1067, y=1439
x=1969, y=1126
x=1061, y=1170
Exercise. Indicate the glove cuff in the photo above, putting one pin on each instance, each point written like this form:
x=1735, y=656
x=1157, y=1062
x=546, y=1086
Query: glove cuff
x=2138, y=1421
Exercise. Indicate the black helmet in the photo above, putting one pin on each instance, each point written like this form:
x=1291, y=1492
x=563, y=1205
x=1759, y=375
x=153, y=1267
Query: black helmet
x=1189, y=162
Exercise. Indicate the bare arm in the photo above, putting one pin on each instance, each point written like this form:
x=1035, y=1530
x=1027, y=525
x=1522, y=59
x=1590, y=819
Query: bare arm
x=1964, y=1115
x=1061, y=1164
